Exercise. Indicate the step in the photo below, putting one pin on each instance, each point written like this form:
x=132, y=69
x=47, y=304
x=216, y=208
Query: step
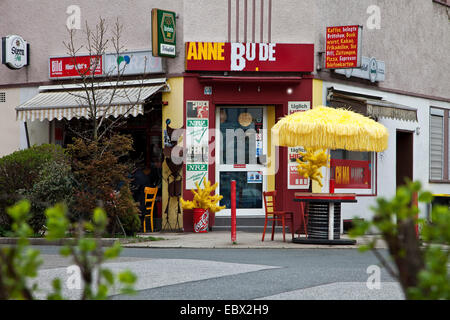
x=241, y=221
x=255, y=229
x=244, y=223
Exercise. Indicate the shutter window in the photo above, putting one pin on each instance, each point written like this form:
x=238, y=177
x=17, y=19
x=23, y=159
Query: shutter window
x=436, y=146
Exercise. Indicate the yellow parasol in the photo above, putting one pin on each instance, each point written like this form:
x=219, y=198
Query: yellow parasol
x=330, y=128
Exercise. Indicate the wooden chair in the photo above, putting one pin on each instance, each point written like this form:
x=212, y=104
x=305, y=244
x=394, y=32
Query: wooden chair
x=150, y=199
x=276, y=216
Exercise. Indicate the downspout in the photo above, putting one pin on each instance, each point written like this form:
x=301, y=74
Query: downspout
x=26, y=134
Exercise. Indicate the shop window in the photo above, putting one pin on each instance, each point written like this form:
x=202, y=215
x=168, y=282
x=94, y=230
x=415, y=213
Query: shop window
x=439, y=139
x=351, y=170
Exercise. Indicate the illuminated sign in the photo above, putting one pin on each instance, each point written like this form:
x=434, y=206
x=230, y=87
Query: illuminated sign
x=15, y=52
x=163, y=33
x=227, y=56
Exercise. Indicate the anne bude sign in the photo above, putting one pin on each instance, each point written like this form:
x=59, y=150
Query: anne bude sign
x=228, y=56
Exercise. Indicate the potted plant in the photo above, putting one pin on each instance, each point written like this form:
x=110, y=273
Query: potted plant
x=203, y=204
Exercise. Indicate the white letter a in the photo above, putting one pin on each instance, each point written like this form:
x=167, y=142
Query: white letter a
x=74, y=280
x=74, y=20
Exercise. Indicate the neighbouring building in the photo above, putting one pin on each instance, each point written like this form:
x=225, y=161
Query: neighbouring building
x=239, y=66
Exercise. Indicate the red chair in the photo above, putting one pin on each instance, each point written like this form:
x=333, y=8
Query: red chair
x=276, y=216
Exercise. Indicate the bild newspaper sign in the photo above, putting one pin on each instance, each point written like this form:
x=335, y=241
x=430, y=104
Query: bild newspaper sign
x=73, y=67
x=109, y=64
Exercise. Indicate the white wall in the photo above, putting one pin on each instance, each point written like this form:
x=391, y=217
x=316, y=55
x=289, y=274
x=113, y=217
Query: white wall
x=9, y=127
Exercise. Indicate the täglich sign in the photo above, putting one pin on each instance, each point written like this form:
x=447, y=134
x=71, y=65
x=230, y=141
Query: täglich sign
x=15, y=52
x=227, y=56
x=163, y=33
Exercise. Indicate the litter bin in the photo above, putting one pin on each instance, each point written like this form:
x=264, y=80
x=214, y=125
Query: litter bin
x=201, y=220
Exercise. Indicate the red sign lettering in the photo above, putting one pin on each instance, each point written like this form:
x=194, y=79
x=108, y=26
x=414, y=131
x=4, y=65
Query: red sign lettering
x=68, y=67
x=227, y=56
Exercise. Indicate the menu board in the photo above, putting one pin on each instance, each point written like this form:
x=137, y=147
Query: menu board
x=343, y=47
x=294, y=180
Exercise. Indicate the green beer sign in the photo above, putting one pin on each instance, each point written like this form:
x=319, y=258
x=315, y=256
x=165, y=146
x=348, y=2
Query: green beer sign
x=163, y=33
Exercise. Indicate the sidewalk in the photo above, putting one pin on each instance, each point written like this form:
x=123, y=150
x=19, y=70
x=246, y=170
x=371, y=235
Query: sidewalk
x=222, y=239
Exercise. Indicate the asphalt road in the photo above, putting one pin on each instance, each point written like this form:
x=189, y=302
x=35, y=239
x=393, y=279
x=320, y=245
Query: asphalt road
x=240, y=274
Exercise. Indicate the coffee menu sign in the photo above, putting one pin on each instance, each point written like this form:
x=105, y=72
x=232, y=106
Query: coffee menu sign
x=343, y=47
x=227, y=56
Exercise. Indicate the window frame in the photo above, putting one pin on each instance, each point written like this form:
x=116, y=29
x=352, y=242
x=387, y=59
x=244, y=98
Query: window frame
x=446, y=149
x=363, y=192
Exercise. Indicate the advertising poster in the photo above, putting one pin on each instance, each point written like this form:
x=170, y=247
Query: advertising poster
x=197, y=138
x=69, y=67
x=296, y=181
x=164, y=33
x=132, y=62
x=254, y=177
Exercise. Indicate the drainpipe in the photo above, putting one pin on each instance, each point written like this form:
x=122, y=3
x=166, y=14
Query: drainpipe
x=26, y=134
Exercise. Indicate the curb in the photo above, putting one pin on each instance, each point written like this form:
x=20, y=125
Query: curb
x=107, y=242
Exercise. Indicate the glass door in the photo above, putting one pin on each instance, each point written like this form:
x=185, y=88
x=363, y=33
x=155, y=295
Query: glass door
x=241, y=144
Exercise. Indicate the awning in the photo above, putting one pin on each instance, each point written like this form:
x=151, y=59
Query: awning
x=72, y=101
x=370, y=106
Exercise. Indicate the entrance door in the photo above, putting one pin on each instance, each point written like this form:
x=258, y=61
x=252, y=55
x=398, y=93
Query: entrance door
x=241, y=144
x=404, y=165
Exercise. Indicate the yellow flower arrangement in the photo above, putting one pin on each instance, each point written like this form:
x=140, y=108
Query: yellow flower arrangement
x=203, y=198
x=311, y=163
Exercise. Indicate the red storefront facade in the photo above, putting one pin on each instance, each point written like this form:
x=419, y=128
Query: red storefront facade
x=223, y=93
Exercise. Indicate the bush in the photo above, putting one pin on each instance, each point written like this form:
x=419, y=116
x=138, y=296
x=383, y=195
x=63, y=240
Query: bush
x=55, y=184
x=126, y=210
x=98, y=173
x=20, y=170
x=421, y=265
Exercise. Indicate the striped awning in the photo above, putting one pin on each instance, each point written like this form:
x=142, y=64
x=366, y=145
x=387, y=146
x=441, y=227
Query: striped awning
x=370, y=106
x=77, y=103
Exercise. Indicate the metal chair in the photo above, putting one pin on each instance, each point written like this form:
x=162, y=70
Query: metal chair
x=276, y=216
x=150, y=199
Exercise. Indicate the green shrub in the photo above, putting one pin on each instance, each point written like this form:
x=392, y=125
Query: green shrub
x=98, y=172
x=19, y=263
x=129, y=216
x=54, y=185
x=20, y=170
x=420, y=265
